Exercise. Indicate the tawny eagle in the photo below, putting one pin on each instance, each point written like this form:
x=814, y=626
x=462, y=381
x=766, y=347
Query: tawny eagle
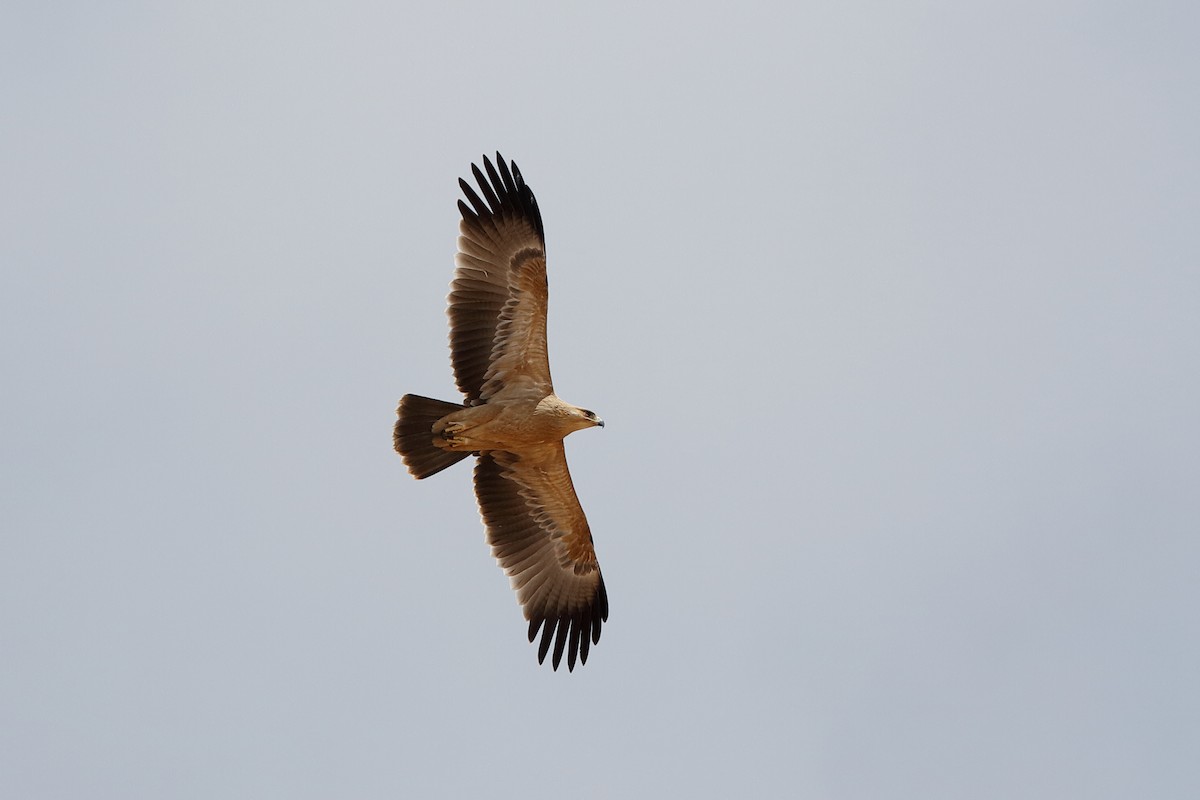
x=511, y=419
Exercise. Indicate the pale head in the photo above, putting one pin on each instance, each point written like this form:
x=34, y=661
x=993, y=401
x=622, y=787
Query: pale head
x=567, y=417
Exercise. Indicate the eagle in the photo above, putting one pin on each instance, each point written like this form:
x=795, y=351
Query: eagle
x=510, y=418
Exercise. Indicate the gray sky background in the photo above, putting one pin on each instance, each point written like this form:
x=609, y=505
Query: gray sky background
x=893, y=311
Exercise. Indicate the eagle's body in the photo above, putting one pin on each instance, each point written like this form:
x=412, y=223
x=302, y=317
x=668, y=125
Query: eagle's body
x=511, y=419
x=516, y=423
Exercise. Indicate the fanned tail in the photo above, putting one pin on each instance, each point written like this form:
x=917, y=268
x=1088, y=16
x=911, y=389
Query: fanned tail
x=413, y=435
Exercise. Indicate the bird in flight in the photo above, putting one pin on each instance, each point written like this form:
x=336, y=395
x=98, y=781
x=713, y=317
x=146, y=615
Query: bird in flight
x=511, y=420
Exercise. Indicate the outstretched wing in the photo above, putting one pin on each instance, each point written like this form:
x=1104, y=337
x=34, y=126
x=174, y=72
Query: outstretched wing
x=498, y=295
x=540, y=536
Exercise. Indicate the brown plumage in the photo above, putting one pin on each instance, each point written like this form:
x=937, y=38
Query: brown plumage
x=511, y=419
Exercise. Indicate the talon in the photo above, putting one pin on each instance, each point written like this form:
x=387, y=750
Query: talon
x=451, y=429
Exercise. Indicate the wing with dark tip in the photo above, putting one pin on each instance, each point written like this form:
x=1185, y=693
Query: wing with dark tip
x=498, y=296
x=540, y=536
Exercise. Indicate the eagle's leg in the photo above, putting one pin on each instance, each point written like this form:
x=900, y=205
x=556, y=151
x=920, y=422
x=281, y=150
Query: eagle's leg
x=462, y=429
x=450, y=435
x=454, y=432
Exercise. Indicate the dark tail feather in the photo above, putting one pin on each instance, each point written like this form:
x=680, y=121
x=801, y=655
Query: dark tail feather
x=413, y=435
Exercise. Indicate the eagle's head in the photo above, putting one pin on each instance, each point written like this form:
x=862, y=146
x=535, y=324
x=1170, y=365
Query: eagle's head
x=591, y=418
x=567, y=418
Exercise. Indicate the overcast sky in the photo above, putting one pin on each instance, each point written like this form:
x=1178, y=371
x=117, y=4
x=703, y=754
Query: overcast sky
x=892, y=310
